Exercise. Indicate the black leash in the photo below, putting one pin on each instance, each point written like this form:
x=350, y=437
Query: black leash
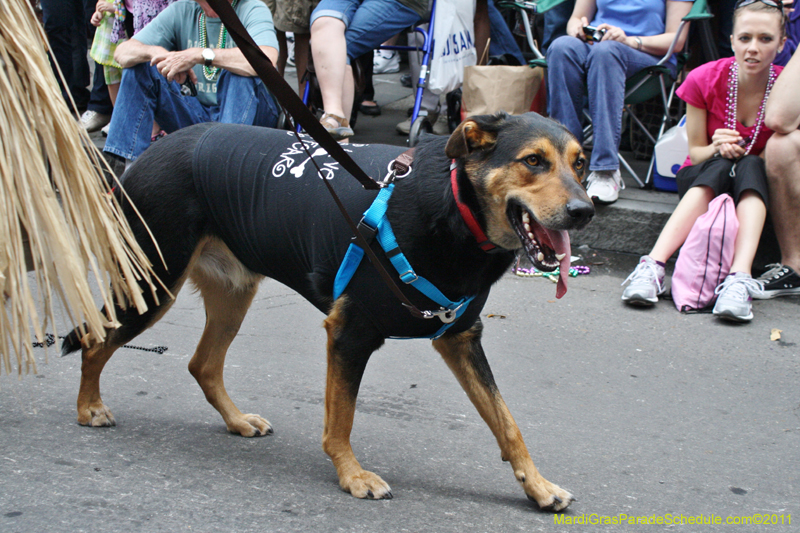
x=301, y=114
x=284, y=93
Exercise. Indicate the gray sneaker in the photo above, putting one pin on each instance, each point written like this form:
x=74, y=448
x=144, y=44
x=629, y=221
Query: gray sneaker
x=734, y=301
x=646, y=283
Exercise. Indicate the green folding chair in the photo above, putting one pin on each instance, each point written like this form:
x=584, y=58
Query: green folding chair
x=525, y=8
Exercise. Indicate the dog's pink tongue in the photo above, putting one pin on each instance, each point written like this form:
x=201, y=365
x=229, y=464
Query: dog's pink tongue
x=560, y=241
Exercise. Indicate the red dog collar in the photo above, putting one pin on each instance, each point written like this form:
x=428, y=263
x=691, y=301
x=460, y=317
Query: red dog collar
x=466, y=213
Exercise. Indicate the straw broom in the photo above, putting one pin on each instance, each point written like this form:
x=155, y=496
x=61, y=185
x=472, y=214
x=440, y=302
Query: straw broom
x=45, y=156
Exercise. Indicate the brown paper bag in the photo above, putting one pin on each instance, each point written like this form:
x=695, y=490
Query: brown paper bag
x=491, y=88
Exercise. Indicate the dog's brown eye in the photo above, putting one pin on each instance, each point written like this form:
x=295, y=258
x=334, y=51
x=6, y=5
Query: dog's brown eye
x=579, y=164
x=532, y=160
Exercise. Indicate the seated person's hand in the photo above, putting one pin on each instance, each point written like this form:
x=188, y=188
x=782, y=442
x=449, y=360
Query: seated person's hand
x=613, y=33
x=175, y=66
x=728, y=143
x=181, y=77
x=575, y=27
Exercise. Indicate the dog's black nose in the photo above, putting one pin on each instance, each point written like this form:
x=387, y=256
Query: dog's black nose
x=580, y=211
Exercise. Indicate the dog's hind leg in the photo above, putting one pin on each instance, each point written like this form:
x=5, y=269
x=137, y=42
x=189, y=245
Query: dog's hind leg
x=351, y=341
x=91, y=409
x=227, y=288
x=464, y=355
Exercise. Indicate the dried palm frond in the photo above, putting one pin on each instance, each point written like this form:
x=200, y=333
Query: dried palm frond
x=53, y=193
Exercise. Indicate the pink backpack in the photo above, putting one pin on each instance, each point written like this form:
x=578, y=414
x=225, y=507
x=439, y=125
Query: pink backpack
x=705, y=258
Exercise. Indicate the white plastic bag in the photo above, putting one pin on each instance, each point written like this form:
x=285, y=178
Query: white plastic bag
x=454, y=44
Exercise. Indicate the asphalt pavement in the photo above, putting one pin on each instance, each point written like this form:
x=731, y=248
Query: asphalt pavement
x=649, y=415
x=642, y=413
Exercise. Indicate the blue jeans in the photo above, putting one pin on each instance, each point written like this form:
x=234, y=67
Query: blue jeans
x=145, y=95
x=368, y=23
x=555, y=22
x=502, y=39
x=575, y=68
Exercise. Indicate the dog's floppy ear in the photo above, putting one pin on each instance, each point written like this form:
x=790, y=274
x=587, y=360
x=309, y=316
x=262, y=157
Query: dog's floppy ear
x=475, y=133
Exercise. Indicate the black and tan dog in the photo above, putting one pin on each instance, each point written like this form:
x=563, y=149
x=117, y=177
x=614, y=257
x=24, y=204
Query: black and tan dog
x=229, y=205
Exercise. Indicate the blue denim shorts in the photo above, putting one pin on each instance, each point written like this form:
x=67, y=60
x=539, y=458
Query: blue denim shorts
x=368, y=23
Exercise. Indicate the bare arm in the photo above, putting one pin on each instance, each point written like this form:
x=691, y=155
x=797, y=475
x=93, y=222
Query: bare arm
x=176, y=65
x=783, y=107
x=657, y=45
x=581, y=15
x=723, y=141
x=132, y=52
x=233, y=60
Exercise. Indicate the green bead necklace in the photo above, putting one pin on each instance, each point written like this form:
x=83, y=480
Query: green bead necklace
x=211, y=72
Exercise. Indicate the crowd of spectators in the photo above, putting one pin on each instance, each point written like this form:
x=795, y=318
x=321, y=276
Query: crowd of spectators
x=166, y=64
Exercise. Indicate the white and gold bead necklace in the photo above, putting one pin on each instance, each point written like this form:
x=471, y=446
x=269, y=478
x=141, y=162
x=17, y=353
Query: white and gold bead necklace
x=211, y=72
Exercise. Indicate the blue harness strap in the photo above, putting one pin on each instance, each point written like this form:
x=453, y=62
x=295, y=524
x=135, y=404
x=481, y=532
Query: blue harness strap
x=375, y=219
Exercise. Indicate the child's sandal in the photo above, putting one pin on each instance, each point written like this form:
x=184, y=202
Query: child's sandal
x=338, y=127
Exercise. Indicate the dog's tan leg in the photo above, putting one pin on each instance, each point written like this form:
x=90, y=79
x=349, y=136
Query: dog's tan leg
x=464, y=355
x=226, y=307
x=348, y=353
x=91, y=410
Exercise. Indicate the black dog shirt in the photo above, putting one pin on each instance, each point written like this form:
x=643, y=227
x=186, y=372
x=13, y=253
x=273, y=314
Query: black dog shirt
x=270, y=207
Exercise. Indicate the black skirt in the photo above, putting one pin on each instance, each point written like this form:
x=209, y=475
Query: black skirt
x=749, y=173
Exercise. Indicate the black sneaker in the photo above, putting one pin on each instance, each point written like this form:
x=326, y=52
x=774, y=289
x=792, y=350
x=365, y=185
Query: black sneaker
x=779, y=280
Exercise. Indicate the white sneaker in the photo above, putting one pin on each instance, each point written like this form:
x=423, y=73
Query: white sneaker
x=734, y=301
x=646, y=283
x=603, y=186
x=93, y=121
x=106, y=129
x=385, y=62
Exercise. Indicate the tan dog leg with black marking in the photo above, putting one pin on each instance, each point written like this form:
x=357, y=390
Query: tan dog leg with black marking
x=344, y=376
x=465, y=357
x=225, y=310
x=91, y=410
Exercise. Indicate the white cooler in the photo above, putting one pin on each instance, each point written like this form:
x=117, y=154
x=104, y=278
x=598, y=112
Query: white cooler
x=671, y=151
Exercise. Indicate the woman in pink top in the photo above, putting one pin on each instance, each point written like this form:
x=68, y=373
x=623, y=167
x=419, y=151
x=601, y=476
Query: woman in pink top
x=725, y=126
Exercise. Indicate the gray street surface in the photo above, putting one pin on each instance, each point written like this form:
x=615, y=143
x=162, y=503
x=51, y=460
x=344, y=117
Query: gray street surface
x=642, y=413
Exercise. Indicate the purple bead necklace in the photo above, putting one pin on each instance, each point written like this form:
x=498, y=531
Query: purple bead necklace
x=733, y=93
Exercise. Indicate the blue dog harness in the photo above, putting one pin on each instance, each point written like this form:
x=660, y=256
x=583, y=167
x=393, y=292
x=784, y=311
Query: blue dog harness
x=375, y=221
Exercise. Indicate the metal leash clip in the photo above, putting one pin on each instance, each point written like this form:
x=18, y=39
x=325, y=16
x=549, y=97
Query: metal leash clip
x=445, y=315
x=395, y=165
x=392, y=175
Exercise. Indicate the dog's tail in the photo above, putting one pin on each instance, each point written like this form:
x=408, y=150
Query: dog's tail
x=72, y=342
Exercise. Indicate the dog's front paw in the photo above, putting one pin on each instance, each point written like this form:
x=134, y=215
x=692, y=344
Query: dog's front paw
x=250, y=425
x=368, y=485
x=96, y=416
x=548, y=496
